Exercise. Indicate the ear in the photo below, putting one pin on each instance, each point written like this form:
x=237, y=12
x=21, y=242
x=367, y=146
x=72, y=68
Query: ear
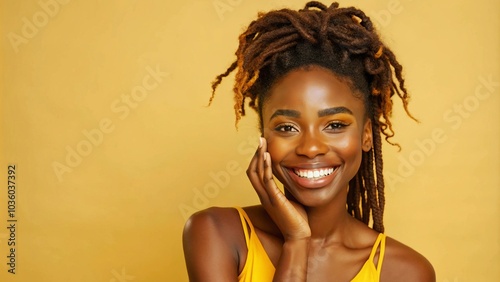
x=367, y=136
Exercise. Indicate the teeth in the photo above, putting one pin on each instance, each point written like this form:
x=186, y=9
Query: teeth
x=313, y=173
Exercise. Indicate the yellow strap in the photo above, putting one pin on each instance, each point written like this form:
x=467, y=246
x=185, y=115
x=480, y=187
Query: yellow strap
x=375, y=247
x=379, y=242
x=381, y=254
x=245, y=222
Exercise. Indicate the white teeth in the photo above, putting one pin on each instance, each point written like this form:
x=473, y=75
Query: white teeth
x=313, y=173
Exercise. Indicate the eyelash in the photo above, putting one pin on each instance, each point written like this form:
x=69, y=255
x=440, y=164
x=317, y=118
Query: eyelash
x=333, y=126
x=282, y=127
x=338, y=126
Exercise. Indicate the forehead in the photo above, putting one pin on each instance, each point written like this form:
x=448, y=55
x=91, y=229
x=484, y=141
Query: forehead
x=312, y=89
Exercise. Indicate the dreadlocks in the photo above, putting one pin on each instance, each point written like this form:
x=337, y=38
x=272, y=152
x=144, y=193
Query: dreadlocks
x=344, y=41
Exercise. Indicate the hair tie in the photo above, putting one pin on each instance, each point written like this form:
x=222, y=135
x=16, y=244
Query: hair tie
x=356, y=19
x=379, y=52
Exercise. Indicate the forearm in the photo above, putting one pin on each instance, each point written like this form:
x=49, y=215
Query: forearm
x=292, y=265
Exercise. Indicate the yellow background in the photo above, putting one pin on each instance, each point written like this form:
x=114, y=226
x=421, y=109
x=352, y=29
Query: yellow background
x=116, y=212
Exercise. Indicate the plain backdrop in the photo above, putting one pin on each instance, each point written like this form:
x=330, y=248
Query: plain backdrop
x=103, y=112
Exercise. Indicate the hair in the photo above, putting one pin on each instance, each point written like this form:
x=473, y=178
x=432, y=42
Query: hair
x=344, y=41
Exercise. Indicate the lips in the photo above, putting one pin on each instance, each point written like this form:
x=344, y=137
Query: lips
x=314, y=177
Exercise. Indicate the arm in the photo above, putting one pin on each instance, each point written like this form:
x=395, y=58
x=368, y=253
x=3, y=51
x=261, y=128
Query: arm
x=289, y=216
x=207, y=248
x=292, y=265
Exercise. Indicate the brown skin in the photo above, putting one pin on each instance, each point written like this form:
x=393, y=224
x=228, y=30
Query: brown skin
x=310, y=236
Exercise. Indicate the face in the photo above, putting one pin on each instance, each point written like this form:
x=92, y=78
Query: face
x=316, y=131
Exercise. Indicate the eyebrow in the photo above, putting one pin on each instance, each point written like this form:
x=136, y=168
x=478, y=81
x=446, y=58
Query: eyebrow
x=287, y=113
x=321, y=113
x=334, y=111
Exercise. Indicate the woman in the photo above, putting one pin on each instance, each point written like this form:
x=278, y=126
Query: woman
x=321, y=82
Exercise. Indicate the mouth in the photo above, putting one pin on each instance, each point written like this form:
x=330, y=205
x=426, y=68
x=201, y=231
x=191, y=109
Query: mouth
x=313, y=178
x=313, y=173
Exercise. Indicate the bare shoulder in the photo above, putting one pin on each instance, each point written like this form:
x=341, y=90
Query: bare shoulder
x=214, y=217
x=212, y=239
x=402, y=263
x=213, y=224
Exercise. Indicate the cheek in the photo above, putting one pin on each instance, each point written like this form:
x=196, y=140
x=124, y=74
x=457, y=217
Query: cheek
x=349, y=147
x=279, y=149
x=276, y=148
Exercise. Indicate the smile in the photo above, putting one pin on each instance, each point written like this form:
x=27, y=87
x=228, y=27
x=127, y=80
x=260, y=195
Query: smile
x=313, y=173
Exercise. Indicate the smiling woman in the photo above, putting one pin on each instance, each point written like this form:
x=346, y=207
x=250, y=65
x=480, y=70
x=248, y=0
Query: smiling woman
x=321, y=82
x=326, y=131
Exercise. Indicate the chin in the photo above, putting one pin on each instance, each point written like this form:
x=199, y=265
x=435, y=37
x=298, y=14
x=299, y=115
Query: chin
x=317, y=197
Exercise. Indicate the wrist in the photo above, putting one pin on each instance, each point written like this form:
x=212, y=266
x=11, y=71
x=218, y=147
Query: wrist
x=292, y=265
x=296, y=242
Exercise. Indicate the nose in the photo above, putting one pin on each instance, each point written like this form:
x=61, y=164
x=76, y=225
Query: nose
x=311, y=145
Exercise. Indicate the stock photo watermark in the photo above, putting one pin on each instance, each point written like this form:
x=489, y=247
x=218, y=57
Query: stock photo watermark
x=31, y=26
x=11, y=222
x=222, y=7
x=121, y=107
x=121, y=276
x=218, y=180
x=384, y=16
x=453, y=118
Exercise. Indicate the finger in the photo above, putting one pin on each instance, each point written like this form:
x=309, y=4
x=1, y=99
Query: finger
x=254, y=175
x=267, y=175
x=260, y=163
x=272, y=190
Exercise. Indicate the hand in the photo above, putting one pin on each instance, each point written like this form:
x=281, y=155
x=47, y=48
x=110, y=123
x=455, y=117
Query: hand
x=289, y=216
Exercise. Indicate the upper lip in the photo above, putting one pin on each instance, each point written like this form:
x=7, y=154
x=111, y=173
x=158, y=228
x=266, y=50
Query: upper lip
x=311, y=166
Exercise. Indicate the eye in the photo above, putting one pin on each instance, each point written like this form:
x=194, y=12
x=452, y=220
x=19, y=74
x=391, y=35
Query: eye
x=336, y=126
x=286, y=128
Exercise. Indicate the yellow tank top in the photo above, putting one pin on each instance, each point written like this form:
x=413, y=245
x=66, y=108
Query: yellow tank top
x=259, y=268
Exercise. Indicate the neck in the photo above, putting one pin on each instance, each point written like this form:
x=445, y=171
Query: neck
x=330, y=222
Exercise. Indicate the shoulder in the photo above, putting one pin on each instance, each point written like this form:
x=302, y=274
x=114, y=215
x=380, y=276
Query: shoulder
x=213, y=239
x=227, y=222
x=402, y=263
x=208, y=219
x=213, y=224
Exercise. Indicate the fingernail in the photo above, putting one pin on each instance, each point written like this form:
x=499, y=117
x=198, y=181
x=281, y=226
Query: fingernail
x=265, y=156
x=260, y=142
